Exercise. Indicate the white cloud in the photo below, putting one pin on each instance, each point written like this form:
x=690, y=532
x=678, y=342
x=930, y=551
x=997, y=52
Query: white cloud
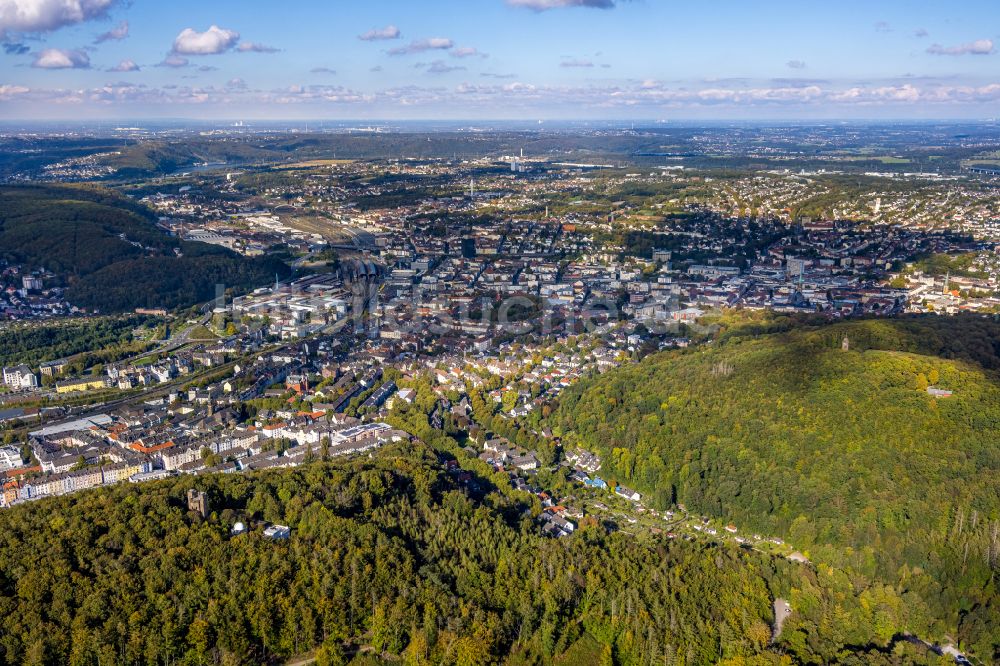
x=886, y=97
x=978, y=47
x=174, y=60
x=576, y=62
x=544, y=5
x=796, y=64
x=212, y=41
x=9, y=91
x=421, y=45
x=466, y=52
x=440, y=67
x=61, y=59
x=256, y=47
x=47, y=15
x=295, y=94
x=904, y=93
x=388, y=32
x=117, y=33
x=125, y=66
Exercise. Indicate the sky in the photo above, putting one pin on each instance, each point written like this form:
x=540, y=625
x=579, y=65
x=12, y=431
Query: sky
x=499, y=59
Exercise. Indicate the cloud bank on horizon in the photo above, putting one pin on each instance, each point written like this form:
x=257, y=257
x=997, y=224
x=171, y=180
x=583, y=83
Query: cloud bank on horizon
x=546, y=59
x=978, y=47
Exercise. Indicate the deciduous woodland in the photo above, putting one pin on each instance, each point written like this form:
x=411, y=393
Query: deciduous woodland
x=107, y=253
x=844, y=452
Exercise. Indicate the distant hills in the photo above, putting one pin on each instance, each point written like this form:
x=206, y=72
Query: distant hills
x=160, y=156
x=856, y=148
x=109, y=254
x=844, y=453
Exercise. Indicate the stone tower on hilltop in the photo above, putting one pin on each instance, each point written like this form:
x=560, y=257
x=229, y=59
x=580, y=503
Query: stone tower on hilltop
x=197, y=502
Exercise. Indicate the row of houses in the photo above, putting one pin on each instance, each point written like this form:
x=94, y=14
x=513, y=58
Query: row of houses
x=67, y=482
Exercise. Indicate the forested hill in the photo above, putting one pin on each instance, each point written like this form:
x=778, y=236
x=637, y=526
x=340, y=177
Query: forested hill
x=843, y=453
x=391, y=560
x=109, y=254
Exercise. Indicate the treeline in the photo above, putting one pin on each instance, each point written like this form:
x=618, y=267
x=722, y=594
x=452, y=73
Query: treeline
x=396, y=198
x=110, y=255
x=172, y=282
x=960, y=265
x=33, y=344
x=74, y=230
x=24, y=154
x=158, y=156
x=388, y=558
x=842, y=453
x=966, y=337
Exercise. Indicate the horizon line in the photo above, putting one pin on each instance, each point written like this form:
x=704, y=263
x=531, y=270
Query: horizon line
x=370, y=121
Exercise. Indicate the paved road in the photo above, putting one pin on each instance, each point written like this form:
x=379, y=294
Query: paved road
x=173, y=342
x=943, y=650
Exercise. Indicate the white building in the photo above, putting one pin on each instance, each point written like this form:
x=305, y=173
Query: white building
x=20, y=377
x=10, y=458
x=31, y=283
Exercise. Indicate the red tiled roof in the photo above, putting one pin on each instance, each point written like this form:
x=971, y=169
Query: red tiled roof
x=136, y=446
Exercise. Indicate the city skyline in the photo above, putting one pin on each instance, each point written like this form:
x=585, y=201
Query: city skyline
x=501, y=59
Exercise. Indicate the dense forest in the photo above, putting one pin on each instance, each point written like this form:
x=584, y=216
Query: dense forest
x=109, y=254
x=844, y=453
x=35, y=343
x=172, y=282
x=391, y=559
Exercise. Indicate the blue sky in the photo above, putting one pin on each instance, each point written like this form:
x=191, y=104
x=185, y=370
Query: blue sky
x=498, y=59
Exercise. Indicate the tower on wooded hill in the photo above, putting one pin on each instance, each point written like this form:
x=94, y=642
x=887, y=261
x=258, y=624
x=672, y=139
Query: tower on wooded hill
x=198, y=502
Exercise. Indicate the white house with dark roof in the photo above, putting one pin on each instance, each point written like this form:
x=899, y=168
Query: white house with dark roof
x=20, y=377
